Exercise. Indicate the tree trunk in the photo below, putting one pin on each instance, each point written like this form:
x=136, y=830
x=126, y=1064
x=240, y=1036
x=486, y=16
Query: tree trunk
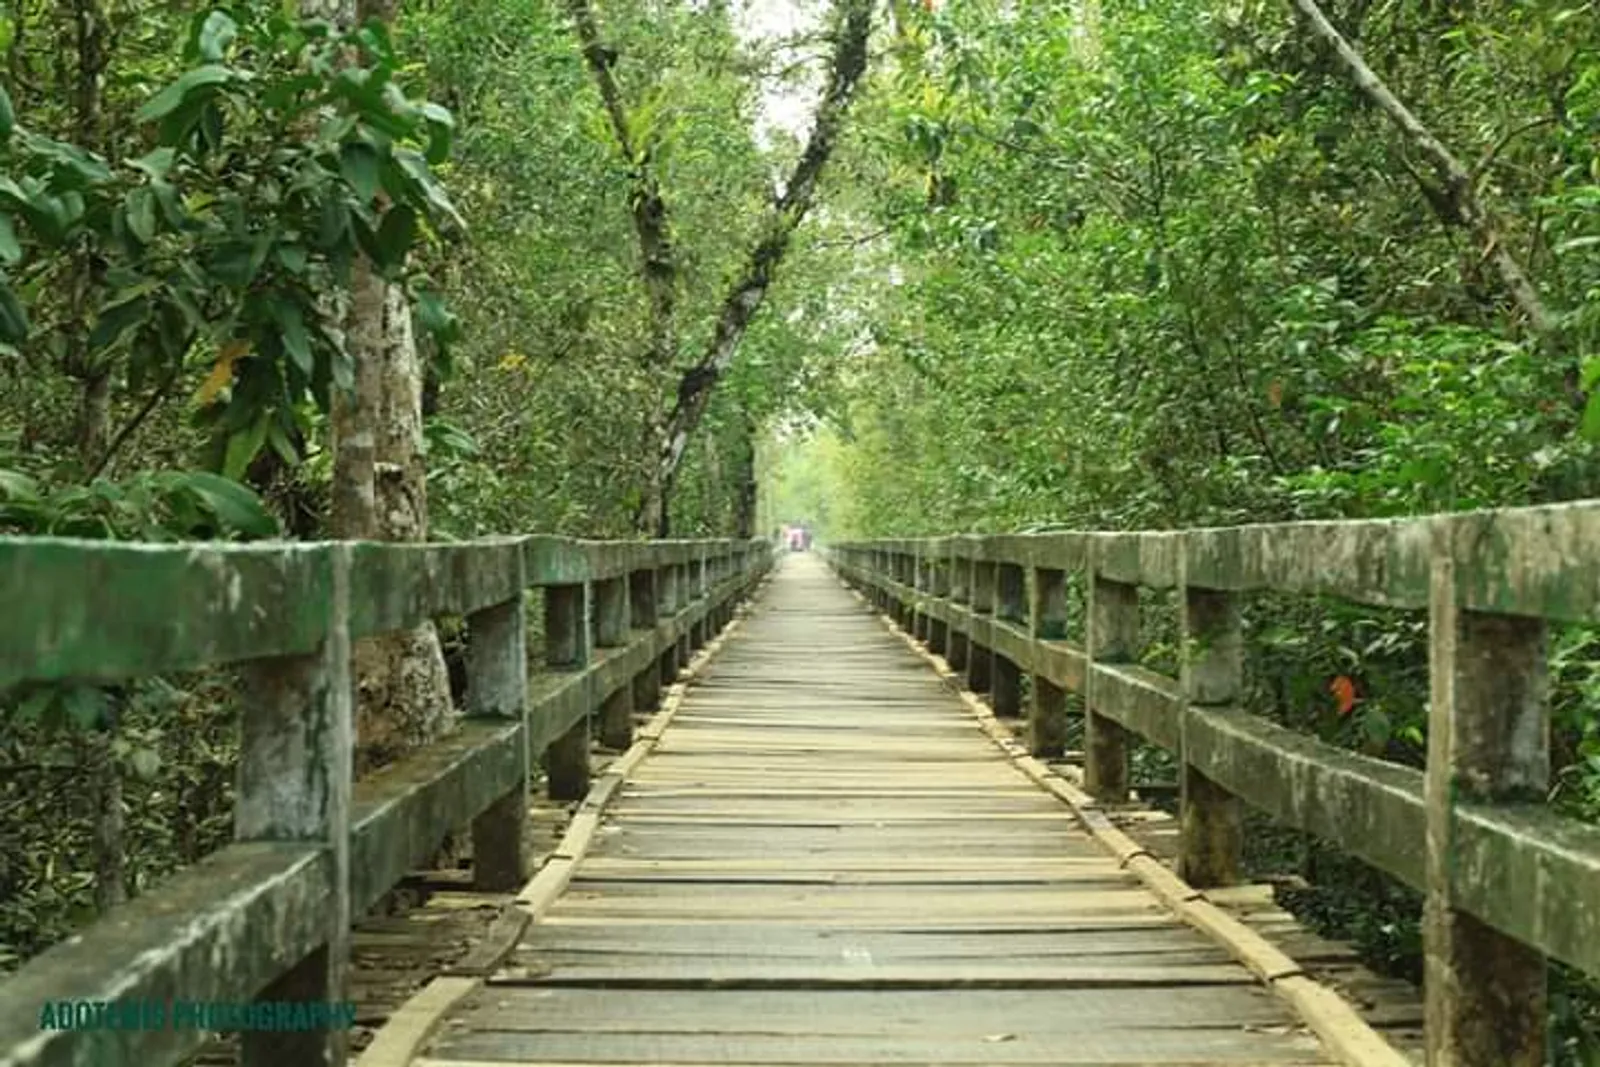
x=1455, y=199
x=97, y=763
x=744, y=515
x=380, y=492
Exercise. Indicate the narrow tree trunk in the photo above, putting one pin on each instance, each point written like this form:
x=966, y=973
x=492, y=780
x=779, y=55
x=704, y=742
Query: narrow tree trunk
x=853, y=27
x=744, y=516
x=108, y=841
x=101, y=774
x=715, y=495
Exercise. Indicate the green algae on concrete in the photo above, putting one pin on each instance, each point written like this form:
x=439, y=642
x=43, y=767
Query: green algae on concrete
x=95, y=611
x=219, y=930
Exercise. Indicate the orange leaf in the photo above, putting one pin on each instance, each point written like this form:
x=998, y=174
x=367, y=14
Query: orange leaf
x=222, y=373
x=1344, y=691
x=1275, y=394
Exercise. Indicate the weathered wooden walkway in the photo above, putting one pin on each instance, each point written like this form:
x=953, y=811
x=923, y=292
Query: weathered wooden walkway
x=825, y=861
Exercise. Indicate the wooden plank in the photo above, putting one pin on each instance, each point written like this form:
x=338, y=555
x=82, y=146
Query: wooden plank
x=498, y=943
x=852, y=973
x=820, y=941
x=1146, y=1048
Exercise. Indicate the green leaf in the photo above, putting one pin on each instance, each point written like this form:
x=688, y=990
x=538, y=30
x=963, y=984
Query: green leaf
x=235, y=506
x=13, y=319
x=296, y=341
x=333, y=223
x=8, y=114
x=189, y=84
x=1591, y=417
x=235, y=263
x=10, y=247
x=441, y=129
x=359, y=163
x=156, y=164
x=374, y=36
x=435, y=316
x=344, y=371
x=117, y=321
x=71, y=166
x=166, y=198
x=1591, y=372
x=216, y=35
x=15, y=485
x=395, y=235
x=141, y=214
x=281, y=443
x=1577, y=243
x=211, y=124
x=243, y=447
x=293, y=258
x=415, y=168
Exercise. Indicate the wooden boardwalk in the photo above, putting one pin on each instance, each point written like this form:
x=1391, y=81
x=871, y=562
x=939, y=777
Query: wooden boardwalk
x=824, y=861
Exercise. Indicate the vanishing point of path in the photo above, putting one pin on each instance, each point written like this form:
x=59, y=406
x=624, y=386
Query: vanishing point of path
x=824, y=861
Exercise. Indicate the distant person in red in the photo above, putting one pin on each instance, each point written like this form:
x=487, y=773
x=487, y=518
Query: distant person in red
x=796, y=539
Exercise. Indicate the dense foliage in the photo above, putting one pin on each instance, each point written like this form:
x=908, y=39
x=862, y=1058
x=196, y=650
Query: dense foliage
x=1096, y=263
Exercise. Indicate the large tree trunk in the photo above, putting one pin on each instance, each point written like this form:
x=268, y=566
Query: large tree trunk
x=380, y=492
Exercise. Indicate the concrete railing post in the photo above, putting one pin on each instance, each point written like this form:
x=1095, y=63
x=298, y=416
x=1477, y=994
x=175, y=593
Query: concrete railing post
x=612, y=623
x=1212, y=819
x=980, y=658
x=960, y=596
x=1484, y=994
x=566, y=632
x=296, y=751
x=497, y=688
x=1113, y=638
x=1009, y=608
x=1047, y=710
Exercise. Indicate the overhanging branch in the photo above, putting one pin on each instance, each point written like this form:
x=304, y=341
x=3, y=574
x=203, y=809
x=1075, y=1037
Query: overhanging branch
x=787, y=210
x=1456, y=202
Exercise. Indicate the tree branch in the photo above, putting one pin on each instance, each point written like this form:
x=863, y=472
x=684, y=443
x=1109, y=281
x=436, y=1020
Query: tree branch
x=657, y=266
x=158, y=394
x=1457, y=203
x=852, y=242
x=787, y=211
